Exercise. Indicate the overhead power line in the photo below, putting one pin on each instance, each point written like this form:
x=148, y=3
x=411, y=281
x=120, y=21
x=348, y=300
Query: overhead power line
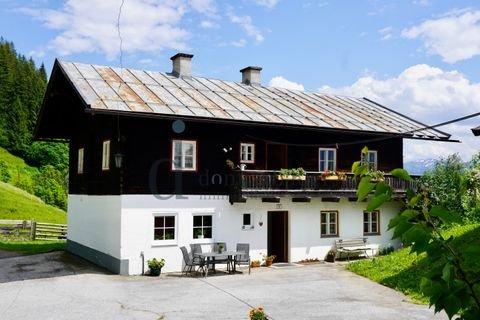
x=392, y=136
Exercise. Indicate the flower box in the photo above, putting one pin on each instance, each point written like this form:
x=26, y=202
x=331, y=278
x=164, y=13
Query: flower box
x=333, y=178
x=280, y=177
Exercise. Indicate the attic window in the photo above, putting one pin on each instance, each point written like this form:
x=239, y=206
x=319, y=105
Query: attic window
x=184, y=155
x=106, y=155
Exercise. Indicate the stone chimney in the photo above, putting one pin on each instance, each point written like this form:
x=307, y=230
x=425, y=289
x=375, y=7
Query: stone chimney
x=251, y=75
x=182, y=65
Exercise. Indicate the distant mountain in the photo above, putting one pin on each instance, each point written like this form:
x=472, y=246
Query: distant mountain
x=418, y=167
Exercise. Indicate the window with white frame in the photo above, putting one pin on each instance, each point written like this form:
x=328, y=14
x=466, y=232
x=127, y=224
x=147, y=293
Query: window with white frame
x=81, y=152
x=164, y=227
x=184, y=155
x=247, y=221
x=371, y=222
x=202, y=227
x=370, y=159
x=328, y=223
x=327, y=159
x=247, y=152
x=106, y=155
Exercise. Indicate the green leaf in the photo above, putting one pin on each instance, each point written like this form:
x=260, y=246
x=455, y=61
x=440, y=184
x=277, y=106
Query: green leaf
x=396, y=221
x=401, y=173
x=355, y=166
x=447, y=272
x=409, y=213
x=383, y=188
x=445, y=215
x=452, y=305
x=421, y=243
x=401, y=229
x=364, y=188
x=365, y=150
x=376, y=202
x=413, y=234
x=413, y=200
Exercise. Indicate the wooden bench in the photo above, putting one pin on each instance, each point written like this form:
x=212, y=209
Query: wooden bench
x=350, y=246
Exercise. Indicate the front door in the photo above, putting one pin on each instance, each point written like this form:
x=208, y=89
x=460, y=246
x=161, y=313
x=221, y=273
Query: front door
x=278, y=235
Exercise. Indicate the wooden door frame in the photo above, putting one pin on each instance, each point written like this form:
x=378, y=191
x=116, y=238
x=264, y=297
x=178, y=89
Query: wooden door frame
x=286, y=232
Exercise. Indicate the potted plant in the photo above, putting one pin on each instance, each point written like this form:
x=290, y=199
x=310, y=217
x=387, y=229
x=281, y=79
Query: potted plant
x=257, y=314
x=221, y=246
x=285, y=174
x=292, y=174
x=333, y=175
x=375, y=175
x=269, y=260
x=155, y=266
x=299, y=174
x=199, y=233
x=255, y=263
x=332, y=253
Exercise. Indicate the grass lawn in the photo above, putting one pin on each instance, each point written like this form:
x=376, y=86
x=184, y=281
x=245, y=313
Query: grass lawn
x=16, y=204
x=33, y=247
x=402, y=271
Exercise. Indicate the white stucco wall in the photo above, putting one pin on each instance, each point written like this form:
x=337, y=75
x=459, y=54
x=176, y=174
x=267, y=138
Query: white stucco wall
x=94, y=221
x=304, y=226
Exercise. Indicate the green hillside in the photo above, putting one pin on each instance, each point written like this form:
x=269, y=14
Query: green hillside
x=17, y=204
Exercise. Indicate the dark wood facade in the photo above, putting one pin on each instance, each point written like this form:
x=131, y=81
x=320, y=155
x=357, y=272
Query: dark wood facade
x=146, y=144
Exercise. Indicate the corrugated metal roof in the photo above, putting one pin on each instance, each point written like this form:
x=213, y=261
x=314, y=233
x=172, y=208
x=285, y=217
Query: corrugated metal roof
x=115, y=89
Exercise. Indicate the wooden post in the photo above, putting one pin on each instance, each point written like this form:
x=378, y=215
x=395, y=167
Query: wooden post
x=33, y=230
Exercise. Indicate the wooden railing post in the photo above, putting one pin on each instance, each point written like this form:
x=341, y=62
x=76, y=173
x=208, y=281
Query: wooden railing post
x=33, y=230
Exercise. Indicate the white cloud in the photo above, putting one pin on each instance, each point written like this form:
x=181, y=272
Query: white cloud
x=431, y=96
x=246, y=23
x=267, y=3
x=207, y=7
x=455, y=36
x=37, y=53
x=281, y=82
x=386, y=33
x=240, y=43
x=423, y=3
x=90, y=26
x=207, y=24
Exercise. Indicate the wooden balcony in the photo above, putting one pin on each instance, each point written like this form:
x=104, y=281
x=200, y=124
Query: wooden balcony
x=267, y=185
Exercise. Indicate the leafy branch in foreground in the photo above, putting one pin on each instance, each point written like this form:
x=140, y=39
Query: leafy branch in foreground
x=453, y=283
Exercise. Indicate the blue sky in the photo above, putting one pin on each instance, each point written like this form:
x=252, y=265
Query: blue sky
x=419, y=57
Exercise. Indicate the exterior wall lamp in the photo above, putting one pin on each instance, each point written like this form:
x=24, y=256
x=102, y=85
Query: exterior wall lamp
x=118, y=159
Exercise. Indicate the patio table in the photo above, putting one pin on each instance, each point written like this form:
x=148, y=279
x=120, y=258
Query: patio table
x=210, y=256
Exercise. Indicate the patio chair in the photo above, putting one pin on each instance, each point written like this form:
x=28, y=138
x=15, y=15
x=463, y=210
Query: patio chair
x=196, y=249
x=243, y=258
x=223, y=259
x=191, y=262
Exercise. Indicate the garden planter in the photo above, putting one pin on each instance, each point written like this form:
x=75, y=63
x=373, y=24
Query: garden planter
x=268, y=263
x=333, y=178
x=280, y=177
x=155, y=272
x=255, y=264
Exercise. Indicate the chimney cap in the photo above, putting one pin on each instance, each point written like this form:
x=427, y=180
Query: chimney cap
x=253, y=68
x=182, y=55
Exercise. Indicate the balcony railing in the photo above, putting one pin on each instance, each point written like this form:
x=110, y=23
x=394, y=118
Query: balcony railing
x=266, y=183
